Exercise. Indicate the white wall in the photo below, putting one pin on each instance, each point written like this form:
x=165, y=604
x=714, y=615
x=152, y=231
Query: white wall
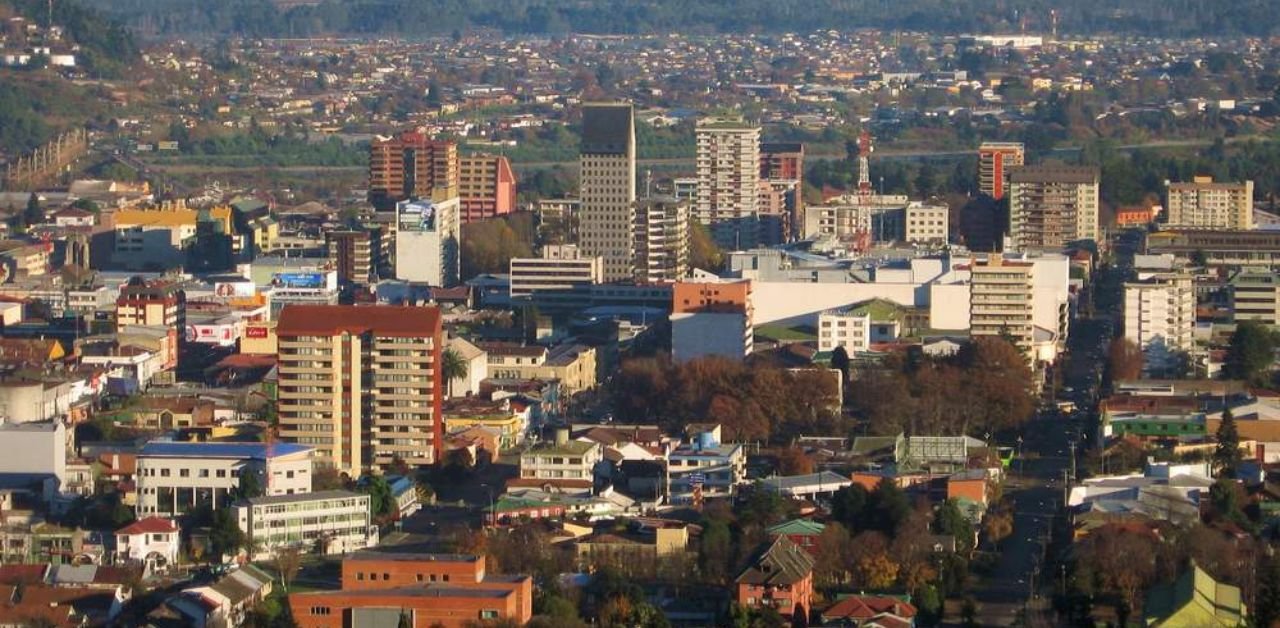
x=800, y=303
x=949, y=306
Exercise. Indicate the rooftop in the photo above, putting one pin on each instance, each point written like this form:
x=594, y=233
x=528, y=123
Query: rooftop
x=261, y=451
x=329, y=320
x=304, y=497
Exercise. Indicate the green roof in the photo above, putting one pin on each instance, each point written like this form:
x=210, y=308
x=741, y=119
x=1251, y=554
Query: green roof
x=878, y=309
x=571, y=448
x=1195, y=599
x=506, y=504
x=798, y=526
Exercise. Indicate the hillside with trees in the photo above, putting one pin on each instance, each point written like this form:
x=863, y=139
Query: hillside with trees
x=264, y=18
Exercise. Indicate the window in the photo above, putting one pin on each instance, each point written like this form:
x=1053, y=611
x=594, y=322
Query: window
x=419, y=577
x=164, y=473
x=222, y=473
x=488, y=614
x=204, y=473
x=319, y=610
x=360, y=576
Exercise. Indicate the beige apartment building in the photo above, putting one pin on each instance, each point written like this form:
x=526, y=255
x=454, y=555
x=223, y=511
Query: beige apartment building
x=1204, y=204
x=1052, y=206
x=728, y=170
x=361, y=384
x=662, y=239
x=1002, y=300
x=995, y=161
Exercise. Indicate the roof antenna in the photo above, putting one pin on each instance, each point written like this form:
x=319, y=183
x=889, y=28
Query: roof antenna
x=648, y=183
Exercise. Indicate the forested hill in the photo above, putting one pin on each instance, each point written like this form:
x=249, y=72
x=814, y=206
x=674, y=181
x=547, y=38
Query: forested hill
x=290, y=18
x=106, y=47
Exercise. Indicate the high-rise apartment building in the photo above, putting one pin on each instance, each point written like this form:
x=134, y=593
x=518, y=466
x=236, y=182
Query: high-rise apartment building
x=487, y=186
x=1160, y=316
x=728, y=165
x=1052, y=206
x=782, y=160
x=1002, y=300
x=1203, y=204
x=995, y=160
x=355, y=254
x=411, y=165
x=361, y=384
x=662, y=239
x=427, y=242
x=608, y=187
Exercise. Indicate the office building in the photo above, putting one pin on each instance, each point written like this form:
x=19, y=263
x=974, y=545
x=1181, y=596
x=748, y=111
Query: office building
x=925, y=224
x=327, y=522
x=427, y=242
x=608, y=187
x=1255, y=296
x=1257, y=249
x=1001, y=300
x=174, y=477
x=661, y=239
x=487, y=187
x=1160, y=317
x=560, y=268
x=712, y=318
x=995, y=161
x=361, y=384
x=410, y=165
x=1204, y=204
x=728, y=170
x=1052, y=206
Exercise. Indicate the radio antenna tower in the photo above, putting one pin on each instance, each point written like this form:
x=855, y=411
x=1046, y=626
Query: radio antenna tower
x=864, y=166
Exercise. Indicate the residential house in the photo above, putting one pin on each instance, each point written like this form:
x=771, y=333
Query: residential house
x=564, y=465
x=704, y=465
x=871, y=611
x=1194, y=599
x=802, y=532
x=780, y=576
x=152, y=541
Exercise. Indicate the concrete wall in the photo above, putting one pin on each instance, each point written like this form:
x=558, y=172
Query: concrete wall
x=706, y=334
x=800, y=303
x=34, y=448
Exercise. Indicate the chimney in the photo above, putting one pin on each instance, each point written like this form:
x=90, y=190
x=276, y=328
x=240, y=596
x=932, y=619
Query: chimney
x=562, y=436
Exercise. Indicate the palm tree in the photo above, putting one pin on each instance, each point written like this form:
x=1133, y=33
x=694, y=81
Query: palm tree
x=452, y=367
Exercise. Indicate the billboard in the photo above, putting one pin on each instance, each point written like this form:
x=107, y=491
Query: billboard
x=220, y=334
x=231, y=289
x=256, y=331
x=416, y=216
x=313, y=281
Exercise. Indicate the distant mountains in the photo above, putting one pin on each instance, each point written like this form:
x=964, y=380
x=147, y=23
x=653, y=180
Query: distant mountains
x=301, y=18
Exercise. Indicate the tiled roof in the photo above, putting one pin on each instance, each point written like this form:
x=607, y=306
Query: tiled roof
x=383, y=320
x=150, y=525
x=798, y=526
x=781, y=562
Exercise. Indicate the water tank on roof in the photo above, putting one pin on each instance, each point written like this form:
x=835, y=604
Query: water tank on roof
x=706, y=440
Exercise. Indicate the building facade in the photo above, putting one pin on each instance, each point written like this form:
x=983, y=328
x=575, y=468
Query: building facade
x=361, y=384
x=411, y=165
x=1204, y=204
x=486, y=186
x=608, y=187
x=354, y=254
x=728, y=170
x=661, y=240
x=995, y=161
x=1255, y=296
x=711, y=318
x=428, y=241
x=174, y=477
x=925, y=224
x=1052, y=206
x=326, y=522
x=1160, y=317
x=1002, y=301
x=151, y=304
x=561, y=267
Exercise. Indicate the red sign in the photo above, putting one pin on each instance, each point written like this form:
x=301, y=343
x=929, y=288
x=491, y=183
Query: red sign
x=255, y=332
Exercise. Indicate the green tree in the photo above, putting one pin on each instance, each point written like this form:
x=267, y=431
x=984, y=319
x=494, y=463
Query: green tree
x=950, y=520
x=1250, y=353
x=849, y=505
x=840, y=362
x=381, y=500
x=1266, y=606
x=34, y=213
x=249, y=486
x=1226, y=455
x=704, y=253
x=888, y=507
x=225, y=536
x=452, y=367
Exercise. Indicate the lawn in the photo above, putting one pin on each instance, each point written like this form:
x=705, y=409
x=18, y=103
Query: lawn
x=797, y=333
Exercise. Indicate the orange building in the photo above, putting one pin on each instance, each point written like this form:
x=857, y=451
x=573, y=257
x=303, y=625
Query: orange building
x=422, y=590
x=421, y=606
x=691, y=297
x=971, y=485
x=487, y=187
x=411, y=165
x=387, y=570
x=1134, y=216
x=781, y=577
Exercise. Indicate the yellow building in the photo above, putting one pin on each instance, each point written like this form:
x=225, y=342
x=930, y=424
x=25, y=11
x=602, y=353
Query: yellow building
x=510, y=426
x=156, y=236
x=574, y=366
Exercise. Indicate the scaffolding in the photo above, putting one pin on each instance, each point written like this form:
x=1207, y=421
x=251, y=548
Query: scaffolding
x=45, y=162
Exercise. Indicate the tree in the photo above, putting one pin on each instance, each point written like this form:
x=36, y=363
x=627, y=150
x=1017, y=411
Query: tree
x=381, y=500
x=1125, y=360
x=887, y=507
x=715, y=551
x=832, y=560
x=422, y=484
x=452, y=367
x=1266, y=607
x=288, y=563
x=34, y=213
x=249, y=486
x=793, y=461
x=1226, y=455
x=225, y=536
x=848, y=506
x=1250, y=353
x=840, y=362
x=950, y=520
x=704, y=253
x=998, y=525
x=877, y=571
x=327, y=478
